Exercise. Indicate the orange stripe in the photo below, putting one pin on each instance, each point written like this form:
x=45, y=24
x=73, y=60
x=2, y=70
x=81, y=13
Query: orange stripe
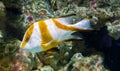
x=48, y=41
x=67, y=27
x=45, y=34
x=62, y=26
x=27, y=36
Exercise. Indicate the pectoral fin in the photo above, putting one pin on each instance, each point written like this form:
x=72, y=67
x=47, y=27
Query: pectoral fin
x=69, y=36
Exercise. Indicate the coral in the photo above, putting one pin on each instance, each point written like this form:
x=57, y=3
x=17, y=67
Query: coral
x=9, y=47
x=13, y=59
x=18, y=63
x=81, y=63
x=21, y=62
x=38, y=9
x=113, y=29
x=64, y=53
x=56, y=58
x=92, y=63
x=47, y=68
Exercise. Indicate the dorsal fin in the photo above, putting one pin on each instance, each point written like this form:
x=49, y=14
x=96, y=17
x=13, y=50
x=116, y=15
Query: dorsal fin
x=66, y=19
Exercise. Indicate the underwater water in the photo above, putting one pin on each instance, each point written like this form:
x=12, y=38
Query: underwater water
x=59, y=35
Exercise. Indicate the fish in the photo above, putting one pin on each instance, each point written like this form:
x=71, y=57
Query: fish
x=46, y=34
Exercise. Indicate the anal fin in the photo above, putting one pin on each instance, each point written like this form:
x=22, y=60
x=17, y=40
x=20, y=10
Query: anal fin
x=69, y=36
